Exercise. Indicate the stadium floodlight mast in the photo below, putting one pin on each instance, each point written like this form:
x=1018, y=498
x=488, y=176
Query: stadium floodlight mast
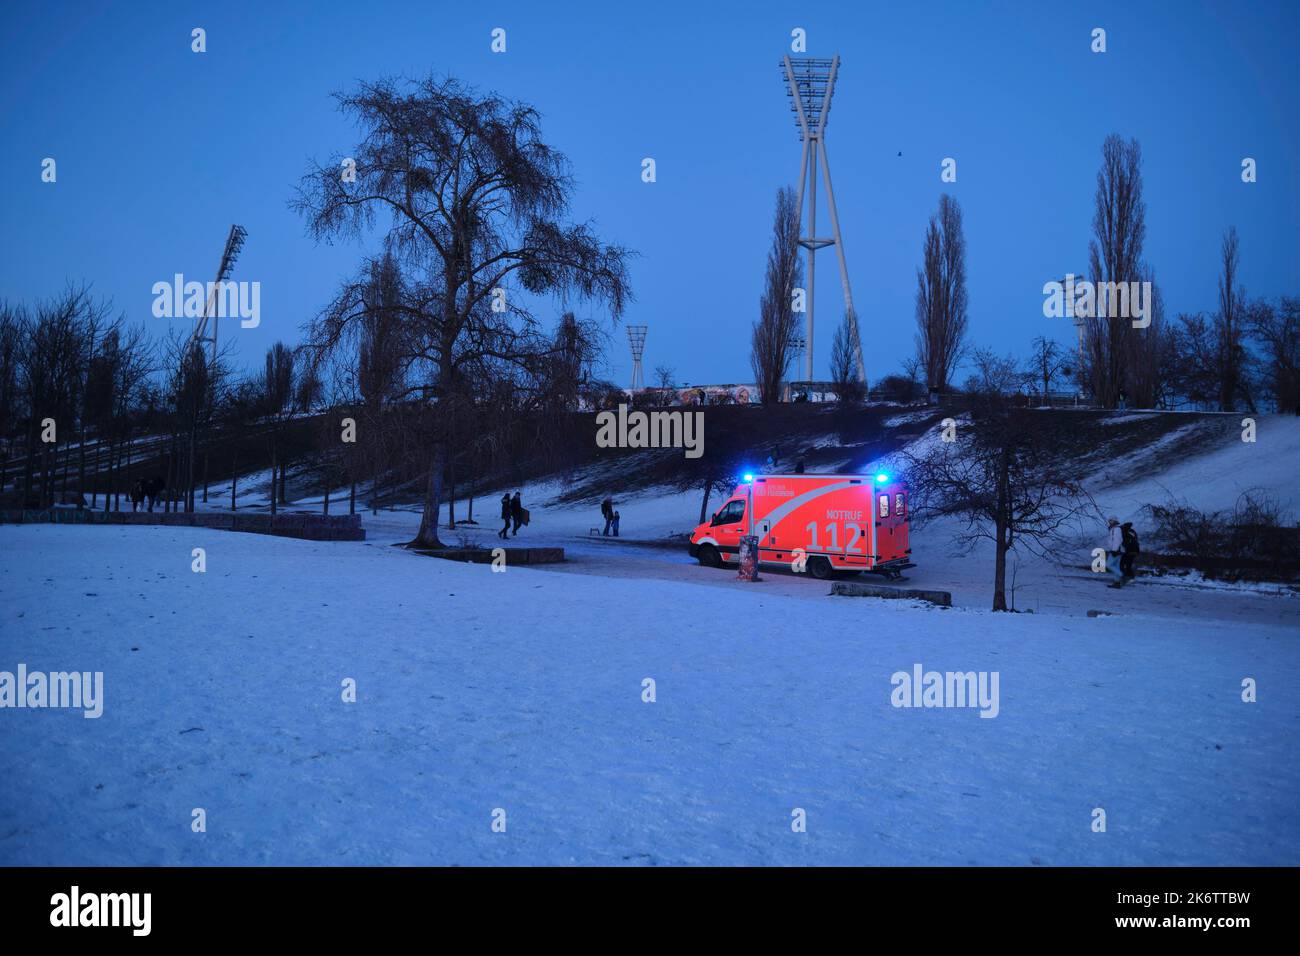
x=810, y=83
x=636, y=339
x=205, y=327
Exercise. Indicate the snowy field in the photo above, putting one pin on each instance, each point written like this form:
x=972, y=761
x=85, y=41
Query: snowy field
x=523, y=691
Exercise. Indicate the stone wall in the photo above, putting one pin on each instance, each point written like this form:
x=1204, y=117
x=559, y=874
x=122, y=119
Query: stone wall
x=313, y=527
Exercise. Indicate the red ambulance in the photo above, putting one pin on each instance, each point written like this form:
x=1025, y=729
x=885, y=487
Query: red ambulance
x=838, y=523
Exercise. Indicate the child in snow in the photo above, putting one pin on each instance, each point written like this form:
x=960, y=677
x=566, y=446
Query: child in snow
x=616, y=519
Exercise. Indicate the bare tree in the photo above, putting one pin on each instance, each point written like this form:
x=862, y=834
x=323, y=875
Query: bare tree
x=12, y=333
x=776, y=331
x=994, y=375
x=1231, y=357
x=1047, y=360
x=53, y=353
x=134, y=361
x=277, y=406
x=848, y=387
x=1006, y=480
x=1149, y=353
x=1115, y=256
x=476, y=200
x=1213, y=364
x=1277, y=329
x=941, y=300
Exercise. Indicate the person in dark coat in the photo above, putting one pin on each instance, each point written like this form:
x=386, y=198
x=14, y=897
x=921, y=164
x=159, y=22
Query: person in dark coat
x=1131, y=547
x=516, y=512
x=616, y=520
x=146, y=488
x=505, y=515
x=607, y=512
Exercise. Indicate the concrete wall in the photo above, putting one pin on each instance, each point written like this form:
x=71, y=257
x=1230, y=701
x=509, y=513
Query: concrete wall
x=310, y=527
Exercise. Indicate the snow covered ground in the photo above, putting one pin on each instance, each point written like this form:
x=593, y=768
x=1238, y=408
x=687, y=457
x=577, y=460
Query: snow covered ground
x=523, y=691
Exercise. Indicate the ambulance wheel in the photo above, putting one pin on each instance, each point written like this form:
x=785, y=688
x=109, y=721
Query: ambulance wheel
x=709, y=556
x=820, y=568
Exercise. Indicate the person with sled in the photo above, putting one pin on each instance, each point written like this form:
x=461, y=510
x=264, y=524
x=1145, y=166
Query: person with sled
x=1131, y=549
x=505, y=515
x=518, y=514
x=607, y=512
x=1114, y=550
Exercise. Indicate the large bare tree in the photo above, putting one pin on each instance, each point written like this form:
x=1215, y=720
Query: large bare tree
x=941, y=300
x=1115, y=256
x=848, y=387
x=1230, y=323
x=1005, y=479
x=1047, y=359
x=777, y=329
x=1277, y=328
x=475, y=201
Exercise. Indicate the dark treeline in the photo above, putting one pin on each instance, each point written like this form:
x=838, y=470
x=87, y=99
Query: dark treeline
x=89, y=405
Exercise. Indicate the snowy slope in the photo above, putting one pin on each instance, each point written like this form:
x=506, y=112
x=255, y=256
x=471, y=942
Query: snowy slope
x=1214, y=479
x=522, y=691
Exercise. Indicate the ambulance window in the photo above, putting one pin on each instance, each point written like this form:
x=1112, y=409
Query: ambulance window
x=884, y=506
x=733, y=512
x=898, y=503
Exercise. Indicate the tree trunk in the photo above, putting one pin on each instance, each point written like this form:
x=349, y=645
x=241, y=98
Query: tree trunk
x=1000, y=571
x=273, y=473
x=81, y=466
x=234, y=480
x=704, y=504
x=129, y=449
x=427, y=536
x=451, y=498
x=1001, y=521
x=67, y=464
x=352, y=498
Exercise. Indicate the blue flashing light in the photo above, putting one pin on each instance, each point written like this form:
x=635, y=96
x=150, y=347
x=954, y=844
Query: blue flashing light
x=881, y=478
x=749, y=478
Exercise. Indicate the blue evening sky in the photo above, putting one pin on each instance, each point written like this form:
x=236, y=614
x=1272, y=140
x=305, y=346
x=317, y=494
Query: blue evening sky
x=160, y=149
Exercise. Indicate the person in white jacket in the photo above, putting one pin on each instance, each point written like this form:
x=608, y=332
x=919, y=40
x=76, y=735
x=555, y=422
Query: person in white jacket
x=1114, y=550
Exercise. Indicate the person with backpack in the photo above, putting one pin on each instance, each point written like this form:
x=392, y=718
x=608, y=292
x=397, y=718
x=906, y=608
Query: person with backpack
x=505, y=515
x=607, y=512
x=1131, y=549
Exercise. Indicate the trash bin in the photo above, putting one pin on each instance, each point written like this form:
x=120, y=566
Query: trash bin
x=749, y=558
